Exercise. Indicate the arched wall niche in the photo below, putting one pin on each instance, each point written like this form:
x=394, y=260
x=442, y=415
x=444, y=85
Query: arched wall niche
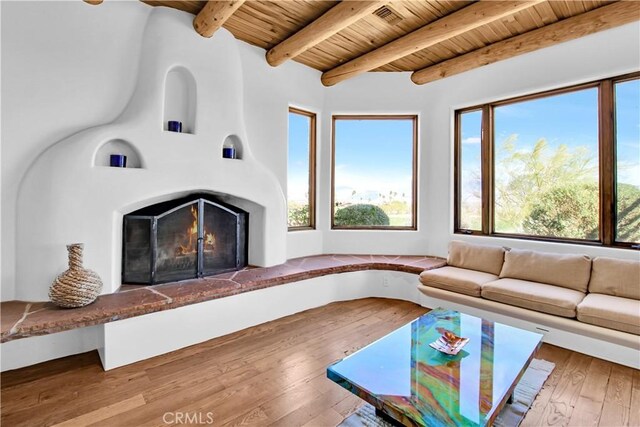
x=118, y=146
x=180, y=96
x=235, y=142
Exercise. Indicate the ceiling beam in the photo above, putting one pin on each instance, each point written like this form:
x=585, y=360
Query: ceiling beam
x=213, y=15
x=452, y=25
x=602, y=18
x=331, y=22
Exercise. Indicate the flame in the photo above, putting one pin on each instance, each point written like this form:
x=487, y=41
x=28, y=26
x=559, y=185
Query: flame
x=190, y=238
x=210, y=240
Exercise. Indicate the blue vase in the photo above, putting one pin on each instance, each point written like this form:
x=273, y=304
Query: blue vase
x=118, y=161
x=174, y=126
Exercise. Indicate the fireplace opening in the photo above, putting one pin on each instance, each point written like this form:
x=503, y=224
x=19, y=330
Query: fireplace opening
x=191, y=237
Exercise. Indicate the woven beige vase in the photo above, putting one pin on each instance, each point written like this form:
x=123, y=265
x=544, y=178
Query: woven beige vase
x=77, y=286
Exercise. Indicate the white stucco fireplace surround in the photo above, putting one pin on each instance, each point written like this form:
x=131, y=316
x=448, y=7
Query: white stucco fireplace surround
x=182, y=76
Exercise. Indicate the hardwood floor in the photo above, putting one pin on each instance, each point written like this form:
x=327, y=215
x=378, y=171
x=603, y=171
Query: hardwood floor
x=274, y=374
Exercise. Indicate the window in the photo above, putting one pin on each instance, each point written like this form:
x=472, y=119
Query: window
x=546, y=166
x=374, y=172
x=553, y=166
x=470, y=207
x=301, y=170
x=627, y=149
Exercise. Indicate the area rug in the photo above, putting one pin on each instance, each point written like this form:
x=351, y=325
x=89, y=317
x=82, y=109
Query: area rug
x=511, y=415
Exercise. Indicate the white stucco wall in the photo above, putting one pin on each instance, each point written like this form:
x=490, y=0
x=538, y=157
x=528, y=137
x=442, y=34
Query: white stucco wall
x=609, y=53
x=80, y=70
x=53, y=193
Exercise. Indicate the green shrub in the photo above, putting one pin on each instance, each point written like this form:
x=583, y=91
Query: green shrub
x=570, y=210
x=362, y=215
x=298, y=215
x=628, y=213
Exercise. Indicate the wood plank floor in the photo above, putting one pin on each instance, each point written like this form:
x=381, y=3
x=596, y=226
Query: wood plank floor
x=274, y=374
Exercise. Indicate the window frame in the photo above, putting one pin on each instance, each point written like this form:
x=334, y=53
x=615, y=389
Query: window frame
x=606, y=167
x=414, y=166
x=312, y=168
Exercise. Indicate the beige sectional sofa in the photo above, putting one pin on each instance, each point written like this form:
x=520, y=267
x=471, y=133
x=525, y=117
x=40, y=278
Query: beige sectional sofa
x=599, y=297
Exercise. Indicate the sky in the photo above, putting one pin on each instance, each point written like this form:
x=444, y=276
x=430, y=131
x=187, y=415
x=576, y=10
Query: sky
x=298, y=160
x=570, y=119
x=628, y=131
x=374, y=156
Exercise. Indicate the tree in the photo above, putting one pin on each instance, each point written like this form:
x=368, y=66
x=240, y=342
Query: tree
x=628, y=213
x=569, y=210
x=396, y=207
x=525, y=178
x=298, y=215
x=361, y=214
x=545, y=193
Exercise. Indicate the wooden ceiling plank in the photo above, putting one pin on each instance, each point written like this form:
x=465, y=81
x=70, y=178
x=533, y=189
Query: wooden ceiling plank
x=461, y=21
x=213, y=15
x=559, y=9
x=579, y=5
x=477, y=38
x=500, y=30
x=535, y=17
x=520, y=22
x=600, y=19
x=546, y=13
x=333, y=21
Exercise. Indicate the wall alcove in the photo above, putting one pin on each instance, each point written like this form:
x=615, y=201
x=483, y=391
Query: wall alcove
x=118, y=146
x=180, y=99
x=235, y=142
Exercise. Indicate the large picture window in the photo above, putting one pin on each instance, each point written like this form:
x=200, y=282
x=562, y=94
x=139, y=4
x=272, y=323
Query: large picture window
x=562, y=165
x=301, y=170
x=374, y=172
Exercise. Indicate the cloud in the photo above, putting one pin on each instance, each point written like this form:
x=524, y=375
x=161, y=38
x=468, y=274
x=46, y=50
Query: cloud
x=471, y=140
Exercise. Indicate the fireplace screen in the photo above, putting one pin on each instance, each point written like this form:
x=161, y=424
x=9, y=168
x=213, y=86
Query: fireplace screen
x=183, y=239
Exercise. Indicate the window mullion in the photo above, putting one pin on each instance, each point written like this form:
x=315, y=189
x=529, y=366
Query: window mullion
x=457, y=171
x=487, y=169
x=607, y=163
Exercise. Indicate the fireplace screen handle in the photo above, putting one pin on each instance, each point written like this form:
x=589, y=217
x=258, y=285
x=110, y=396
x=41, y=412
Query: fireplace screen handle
x=200, y=272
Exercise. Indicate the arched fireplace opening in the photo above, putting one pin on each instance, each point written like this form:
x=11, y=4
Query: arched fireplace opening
x=186, y=238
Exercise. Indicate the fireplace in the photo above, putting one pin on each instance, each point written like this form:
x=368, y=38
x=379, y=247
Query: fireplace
x=181, y=239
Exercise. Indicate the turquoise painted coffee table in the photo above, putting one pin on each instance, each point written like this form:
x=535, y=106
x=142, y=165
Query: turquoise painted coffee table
x=414, y=384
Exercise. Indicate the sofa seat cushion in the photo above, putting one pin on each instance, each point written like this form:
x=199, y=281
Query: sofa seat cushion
x=460, y=280
x=566, y=270
x=617, y=277
x=485, y=258
x=534, y=296
x=622, y=314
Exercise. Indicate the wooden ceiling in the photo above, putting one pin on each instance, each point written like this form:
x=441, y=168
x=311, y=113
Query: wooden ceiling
x=411, y=35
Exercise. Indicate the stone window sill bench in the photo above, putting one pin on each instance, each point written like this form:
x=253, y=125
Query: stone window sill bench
x=22, y=319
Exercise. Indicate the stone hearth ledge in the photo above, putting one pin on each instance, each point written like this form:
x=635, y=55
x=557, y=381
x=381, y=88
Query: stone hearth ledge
x=23, y=319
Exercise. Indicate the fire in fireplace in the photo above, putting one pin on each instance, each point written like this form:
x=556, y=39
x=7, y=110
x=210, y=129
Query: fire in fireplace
x=195, y=236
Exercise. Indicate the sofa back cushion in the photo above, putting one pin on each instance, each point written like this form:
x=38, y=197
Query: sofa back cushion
x=617, y=277
x=566, y=270
x=476, y=257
